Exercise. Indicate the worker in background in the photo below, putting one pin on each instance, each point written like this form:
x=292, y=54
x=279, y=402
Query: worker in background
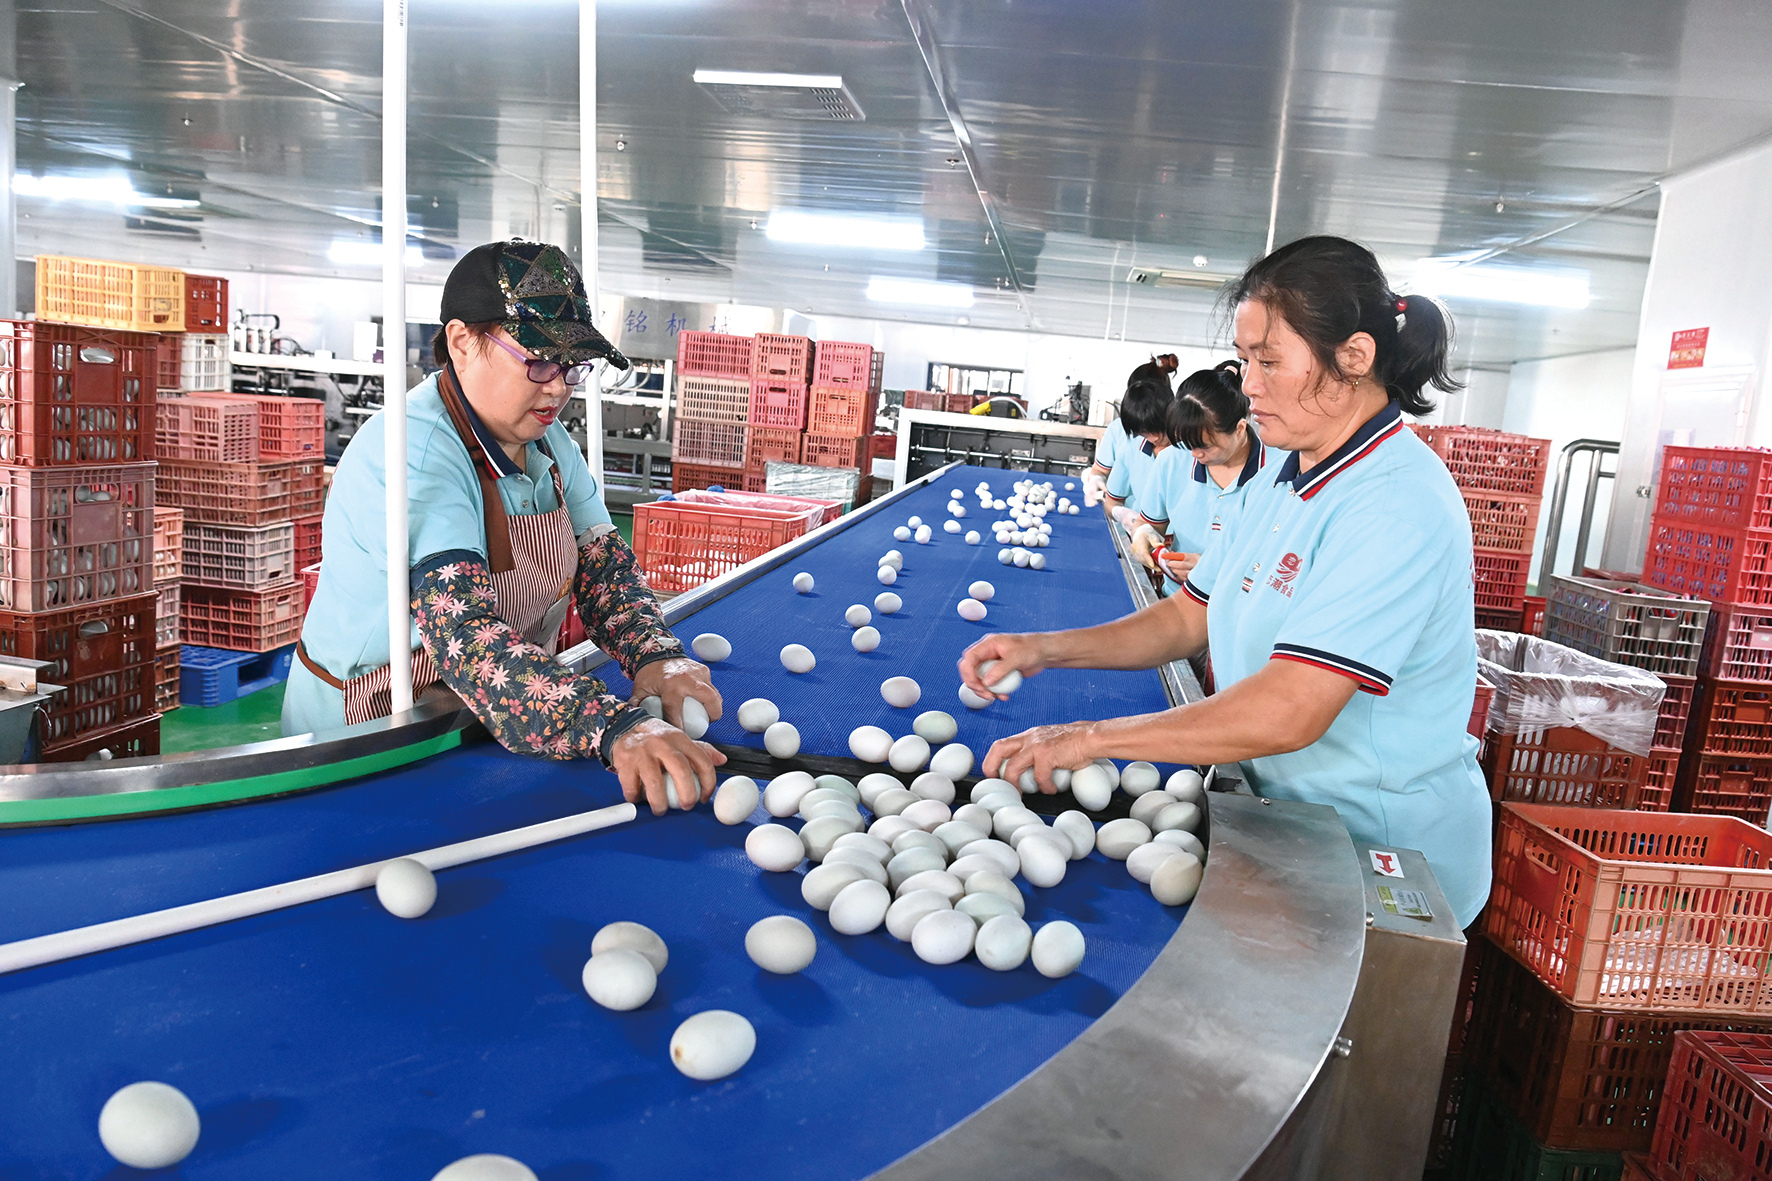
x=1339, y=614
x=508, y=532
x=1144, y=417
x=1195, y=490
x=1114, y=444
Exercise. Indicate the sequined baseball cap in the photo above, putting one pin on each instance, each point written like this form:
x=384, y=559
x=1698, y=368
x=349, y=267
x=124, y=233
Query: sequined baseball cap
x=535, y=293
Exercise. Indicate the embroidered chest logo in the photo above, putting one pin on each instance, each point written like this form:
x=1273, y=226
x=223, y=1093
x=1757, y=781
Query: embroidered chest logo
x=1284, y=573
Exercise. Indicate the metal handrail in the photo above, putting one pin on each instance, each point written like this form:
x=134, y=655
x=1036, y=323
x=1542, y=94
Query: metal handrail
x=1553, y=529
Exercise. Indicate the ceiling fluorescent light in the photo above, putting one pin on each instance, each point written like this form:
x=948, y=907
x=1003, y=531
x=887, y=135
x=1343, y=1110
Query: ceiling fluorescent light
x=355, y=252
x=919, y=291
x=800, y=227
x=112, y=188
x=1446, y=278
x=753, y=78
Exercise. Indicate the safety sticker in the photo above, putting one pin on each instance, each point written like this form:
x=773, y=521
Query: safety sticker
x=1388, y=864
x=1410, y=904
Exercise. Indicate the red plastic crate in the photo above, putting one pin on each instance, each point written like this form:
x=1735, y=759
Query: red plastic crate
x=1676, y=711
x=307, y=540
x=693, y=475
x=925, y=400
x=1718, y=487
x=848, y=411
x=836, y=451
x=1479, y=723
x=1578, y=1079
x=216, y=430
x=1639, y=1167
x=307, y=487
x=1725, y=785
x=1737, y=644
x=247, y=559
x=166, y=599
x=1562, y=765
x=131, y=740
x=75, y=535
x=1500, y=579
x=714, y=399
x=1657, y=792
x=836, y=364
x=288, y=427
x=166, y=670
x=206, y=303
x=778, y=358
x=1732, y=718
x=764, y=445
x=169, y=538
x=243, y=495
x=681, y=546
x=240, y=620
x=168, y=349
x=961, y=403
x=103, y=653
x=1636, y=910
x=1493, y=461
x=1499, y=621
x=310, y=581
x=1532, y=615
x=714, y=354
x=713, y=444
x=1716, y=1120
x=72, y=395
x=883, y=446
x=1702, y=562
x=778, y=404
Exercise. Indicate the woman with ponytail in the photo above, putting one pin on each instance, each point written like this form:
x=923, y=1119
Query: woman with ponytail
x=1117, y=448
x=1339, y=614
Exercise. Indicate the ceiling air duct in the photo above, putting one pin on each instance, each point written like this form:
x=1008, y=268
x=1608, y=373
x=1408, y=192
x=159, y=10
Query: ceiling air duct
x=1153, y=277
x=781, y=96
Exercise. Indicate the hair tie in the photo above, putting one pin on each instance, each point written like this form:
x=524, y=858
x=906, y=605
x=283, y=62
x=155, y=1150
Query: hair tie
x=1402, y=307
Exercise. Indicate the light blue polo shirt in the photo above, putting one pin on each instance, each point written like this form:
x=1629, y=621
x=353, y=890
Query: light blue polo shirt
x=1362, y=565
x=346, y=630
x=1132, y=469
x=1110, y=446
x=1181, y=498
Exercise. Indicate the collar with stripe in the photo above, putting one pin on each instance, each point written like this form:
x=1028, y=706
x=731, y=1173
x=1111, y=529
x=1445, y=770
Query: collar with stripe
x=1255, y=462
x=491, y=454
x=1365, y=441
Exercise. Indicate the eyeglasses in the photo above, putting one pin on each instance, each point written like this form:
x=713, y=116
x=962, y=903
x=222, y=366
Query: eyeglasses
x=541, y=372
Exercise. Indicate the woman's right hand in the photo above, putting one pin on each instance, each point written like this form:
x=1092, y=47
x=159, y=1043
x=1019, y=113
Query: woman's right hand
x=1024, y=653
x=646, y=753
x=1179, y=566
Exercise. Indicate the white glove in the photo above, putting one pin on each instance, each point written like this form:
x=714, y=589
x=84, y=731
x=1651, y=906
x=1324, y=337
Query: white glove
x=1127, y=517
x=1145, y=540
x=1094, y=488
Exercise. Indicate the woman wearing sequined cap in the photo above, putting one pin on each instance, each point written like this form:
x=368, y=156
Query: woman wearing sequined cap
x=507, y=533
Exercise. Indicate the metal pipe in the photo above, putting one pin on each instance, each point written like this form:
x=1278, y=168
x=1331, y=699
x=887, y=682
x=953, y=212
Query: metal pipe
x=587, y=209
x=393, y=331
x=1553, y=529
x=1587, y=514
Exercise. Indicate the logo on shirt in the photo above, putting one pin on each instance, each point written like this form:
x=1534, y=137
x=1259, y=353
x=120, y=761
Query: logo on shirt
x=1284, y=573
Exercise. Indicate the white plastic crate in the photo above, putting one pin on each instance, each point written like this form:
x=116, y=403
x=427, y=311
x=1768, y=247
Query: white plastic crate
x=203, y=362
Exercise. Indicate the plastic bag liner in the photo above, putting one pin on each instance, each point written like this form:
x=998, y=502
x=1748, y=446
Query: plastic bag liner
x=1540, y=685
x=816, y=512
x=809, y=480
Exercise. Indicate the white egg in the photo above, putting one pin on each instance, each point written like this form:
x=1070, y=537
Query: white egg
x=972, y=537
x=953, y=761
x=736, y=799
x=1037, y=561
x=887, y=603
x=957, y=834
x=964, y=867
x=774, y=847
x=1079, y=830
x=923, y=534
x=858, y=616
x=803, y=582
x=782, y=740
x=1111, y=768
x=864, y=639
x=936, y=726
x=971, y=700
x=872, y=785
x=971, y=610
x=997, y=506
x=405, y=888
x=695, y=717
x=1061, y=778
x=712, y=1044
x=909, y=753
x=904, y=914
x=887, y=575
x=985, y=787
x=893, y=801
x=928, y=815
x=823, y=883
x=758, y=714
x=952, y=527
x=939, y=880
x=798, y=658
x=711, y=647
x=781, y=944
x=1057, y=949
x=1186, y=841
x=1070, y=486
x=1021, y=557
x=1145, y=808
x=943, y=937
x=1139, y=778
x=1177, y=879
x=901, y=533
x=889, y=828
x=862, y=842
x=1028, y=782
x=1187, y=785
x=485, y=1166
x=819, y=834
x=914, y=522
x=981, y=908
x=1003, y=942
x=839, y=784
x=1021, y=832
x=783, y=795
x=991, y=882
x=1008, y=683
x=918, y=838
x=653, y=705
x=1142, y=862
x=870, y=744
x=1008, y=863
x=900, y=692
x=860, y=907
x=149, y=1125
x=983, y=591
x=619, y=979
x=1090, y=788
x=823, y=801
x=933, y=785
x=1005, y=556
x=910, y=862
x=635, y=937
x=1043, y=862
x=1006, y=820
x=1178, y=815
x=959, y=510
x=955, y=494
x=893, y=559
x=862, y=859
x=1117, y=838
x=977, y=817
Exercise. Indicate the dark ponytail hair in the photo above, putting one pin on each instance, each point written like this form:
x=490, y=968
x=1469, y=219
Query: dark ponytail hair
x=1155, y=369
x=1145, y=408
x=1327, y=289
x=1207, y=400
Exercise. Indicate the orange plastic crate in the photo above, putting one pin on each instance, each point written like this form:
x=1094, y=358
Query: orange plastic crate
x=1562, y=765
x=779, y=358
x=307, y=541
x=679, y=547
x=1720, y=487
x=73, y=535
x=770, y=444
x=105, y=294
x=842, y=411
x=1479, y=723
x=714, y=399
x=240, y=620
x=1636, y=910
x=307, y=487
x=71, y=395
x=710, y=444
x=1733, y=718
x=838, y=364
x=836, y=451
x=1725, y=785
x=288, y=427
x=1491, y=461
x=1716, y=1118
x=206, y=303
x=692, y=475
x=1706, y=562
x=1676, y=711
x=714, y=354
x=1503, y=522
x=1500, y=580
x=169, y=534
x=103, y=653
x=1659, y=782
x=243, y=495
x=131, y=740
x=310, y=581
x=778, y=404
x=218, y=430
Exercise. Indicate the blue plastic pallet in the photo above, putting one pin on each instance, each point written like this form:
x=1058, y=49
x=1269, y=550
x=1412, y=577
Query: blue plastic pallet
x=216, y=676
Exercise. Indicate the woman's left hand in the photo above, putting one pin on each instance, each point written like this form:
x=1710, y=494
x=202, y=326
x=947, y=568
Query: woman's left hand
x=1045, y=749
x=671, y=681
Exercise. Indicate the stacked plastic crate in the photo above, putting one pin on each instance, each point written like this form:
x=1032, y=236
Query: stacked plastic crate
x=1502, y=479
x=844, y=401
x=1710, y=538
x=169, y=549
x=710, y=427
x=77, y=509
x=1716, y=1122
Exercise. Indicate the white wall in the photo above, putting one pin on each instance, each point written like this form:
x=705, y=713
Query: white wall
x=319, y=312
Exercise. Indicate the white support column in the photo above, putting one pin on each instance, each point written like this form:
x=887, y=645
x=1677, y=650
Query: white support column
x=587, y=172
x=393, y=280
x=9, y=301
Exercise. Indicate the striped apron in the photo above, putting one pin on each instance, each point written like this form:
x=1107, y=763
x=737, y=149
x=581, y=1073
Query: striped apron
x=533, y=558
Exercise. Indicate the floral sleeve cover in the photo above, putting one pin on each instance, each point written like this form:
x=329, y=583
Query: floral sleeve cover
x=531, y=703
x=618, y=608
